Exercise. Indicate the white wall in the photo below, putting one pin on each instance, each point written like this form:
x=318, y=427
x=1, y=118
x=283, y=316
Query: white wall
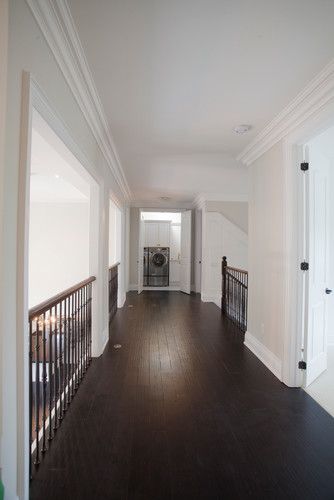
x=112, y=233
x=266, y=257
x=58, y=248
x=235, y=211
x=220, y=237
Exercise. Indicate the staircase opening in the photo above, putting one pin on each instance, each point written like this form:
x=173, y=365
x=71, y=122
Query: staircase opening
x=60, y=286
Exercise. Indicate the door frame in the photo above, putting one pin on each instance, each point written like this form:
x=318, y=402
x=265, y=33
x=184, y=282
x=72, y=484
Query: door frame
x=296, y=241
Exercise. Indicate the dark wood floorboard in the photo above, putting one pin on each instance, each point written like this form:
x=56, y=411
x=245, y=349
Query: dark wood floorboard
x=185, y=411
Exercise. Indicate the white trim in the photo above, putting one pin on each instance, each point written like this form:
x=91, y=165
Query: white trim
x=200, y=200
x=216, y=299
x=268, y=358
x=330, y=339
x=57, y=25
x=133, y=287
x=122, y=301
x=309, y=101
x=104, y=345
x=160, y=206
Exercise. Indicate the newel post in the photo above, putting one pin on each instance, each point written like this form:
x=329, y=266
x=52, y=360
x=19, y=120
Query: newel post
x=224, y=265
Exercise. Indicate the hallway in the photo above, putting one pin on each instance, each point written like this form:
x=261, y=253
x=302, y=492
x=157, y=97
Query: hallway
x=184, y=410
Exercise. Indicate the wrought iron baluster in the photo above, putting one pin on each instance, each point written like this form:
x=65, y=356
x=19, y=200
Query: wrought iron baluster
x=234, y=294
x=44, y=385
x=51, y=370
x=37, y=394
x=30, y=390
x=54, y=320
x=60, y=382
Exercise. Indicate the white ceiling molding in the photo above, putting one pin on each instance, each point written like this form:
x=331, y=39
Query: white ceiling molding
x=199, y=200
x=57, y=26
x=168, y=207
x=309, y=101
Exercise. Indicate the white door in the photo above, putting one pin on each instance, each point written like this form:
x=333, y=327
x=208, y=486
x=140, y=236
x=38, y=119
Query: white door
x=185, y=267
x=317, y=185
x=141, y=254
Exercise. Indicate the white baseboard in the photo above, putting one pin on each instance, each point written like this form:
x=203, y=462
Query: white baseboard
x=104, y=345
x=207, y=298
x=216, y=299
x=133, y=288
x=270, y=360
x=122, y=300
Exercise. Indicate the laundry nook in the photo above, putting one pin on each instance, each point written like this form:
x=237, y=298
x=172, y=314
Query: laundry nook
x=162, y=250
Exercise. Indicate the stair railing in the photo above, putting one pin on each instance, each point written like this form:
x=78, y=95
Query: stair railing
x=234, y=294
x=60, y=352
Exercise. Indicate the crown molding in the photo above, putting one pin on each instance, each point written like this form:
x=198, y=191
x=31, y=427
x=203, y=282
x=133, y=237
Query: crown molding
x=199, y=202
x=156, y=205
x=202, y=198
x=318, y=92
x=57, y=25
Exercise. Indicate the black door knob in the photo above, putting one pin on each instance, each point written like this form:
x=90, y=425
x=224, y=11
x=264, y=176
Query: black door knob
x=328, y=291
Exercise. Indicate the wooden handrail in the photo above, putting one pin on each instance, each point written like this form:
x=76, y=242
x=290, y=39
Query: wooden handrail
x=236, y=269
x=114, y=265
x=53, y=301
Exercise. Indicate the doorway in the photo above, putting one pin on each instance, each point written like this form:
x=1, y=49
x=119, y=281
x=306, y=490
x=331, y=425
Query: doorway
x=164, y=252
x=318, y=344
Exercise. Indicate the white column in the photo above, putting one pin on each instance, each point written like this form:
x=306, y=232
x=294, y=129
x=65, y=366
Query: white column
x=99, y=260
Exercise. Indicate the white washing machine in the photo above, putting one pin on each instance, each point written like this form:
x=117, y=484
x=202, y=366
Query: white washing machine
x=156, y=266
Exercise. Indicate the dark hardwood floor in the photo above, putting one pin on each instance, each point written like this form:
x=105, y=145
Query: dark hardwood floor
x=184, y=411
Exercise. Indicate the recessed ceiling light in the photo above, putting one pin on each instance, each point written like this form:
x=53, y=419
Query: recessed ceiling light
x=57, y=176
x=242, y=129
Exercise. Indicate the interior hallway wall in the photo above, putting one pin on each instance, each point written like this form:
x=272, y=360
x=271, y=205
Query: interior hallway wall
x=235, y=211
x=266, y=258
x=220, y=237
x=58, y=248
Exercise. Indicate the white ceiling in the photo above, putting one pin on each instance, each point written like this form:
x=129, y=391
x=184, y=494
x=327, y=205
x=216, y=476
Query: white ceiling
x=176, y=76
x=52, y=179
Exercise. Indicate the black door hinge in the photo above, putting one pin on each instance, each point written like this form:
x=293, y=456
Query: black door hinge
x=304, y=266
x=302, y=365
x=304, y=166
